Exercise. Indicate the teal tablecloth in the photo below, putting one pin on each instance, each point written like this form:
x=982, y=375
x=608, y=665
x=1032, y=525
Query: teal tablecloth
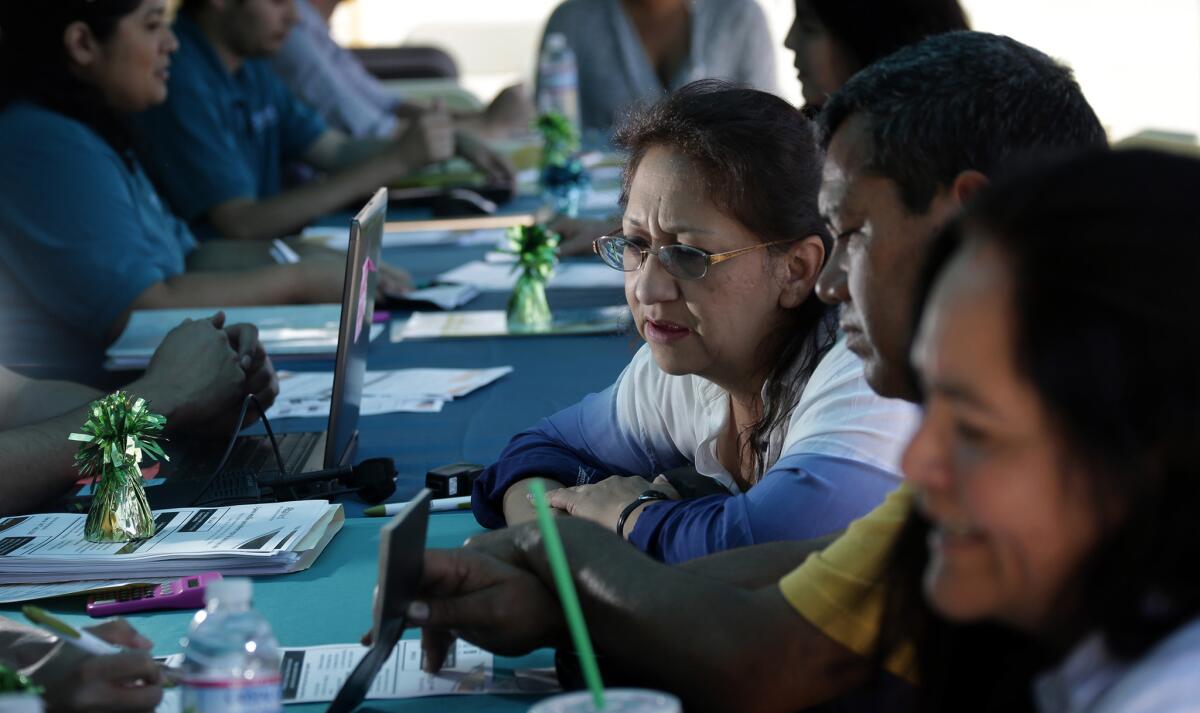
x=329, y=603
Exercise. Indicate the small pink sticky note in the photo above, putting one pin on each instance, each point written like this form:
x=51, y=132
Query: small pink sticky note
x=360, y=319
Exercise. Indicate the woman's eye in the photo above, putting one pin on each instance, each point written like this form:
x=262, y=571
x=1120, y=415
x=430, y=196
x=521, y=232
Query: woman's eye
x=969, y=434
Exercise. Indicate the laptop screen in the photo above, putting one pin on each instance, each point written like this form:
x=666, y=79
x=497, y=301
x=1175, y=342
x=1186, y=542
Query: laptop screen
x=354, y=332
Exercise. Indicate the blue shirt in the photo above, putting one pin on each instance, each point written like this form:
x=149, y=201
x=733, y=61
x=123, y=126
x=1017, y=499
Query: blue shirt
x=221, y=136
x=837, y=460
x=82, y=234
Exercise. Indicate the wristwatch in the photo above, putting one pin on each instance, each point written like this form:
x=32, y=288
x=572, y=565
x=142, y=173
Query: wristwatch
x=645, y=497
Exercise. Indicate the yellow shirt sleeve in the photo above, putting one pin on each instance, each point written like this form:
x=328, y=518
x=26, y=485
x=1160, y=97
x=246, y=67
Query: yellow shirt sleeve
x=840, y=590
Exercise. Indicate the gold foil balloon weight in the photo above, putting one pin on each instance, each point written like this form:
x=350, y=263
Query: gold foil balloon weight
x=535, y=249
x=119, y=432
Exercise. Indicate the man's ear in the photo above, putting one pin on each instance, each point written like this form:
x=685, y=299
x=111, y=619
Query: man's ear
x=967, y=184
x=80, y=44
x=801, y=266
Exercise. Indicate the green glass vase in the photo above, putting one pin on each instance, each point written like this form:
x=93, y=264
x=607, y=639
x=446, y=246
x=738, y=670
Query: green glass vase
x=119, y=511
x=528, y=310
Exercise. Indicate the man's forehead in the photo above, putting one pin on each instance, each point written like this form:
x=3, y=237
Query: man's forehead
x=845, y=159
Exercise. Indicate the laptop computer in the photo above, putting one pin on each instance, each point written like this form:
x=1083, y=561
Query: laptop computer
x=189, y=476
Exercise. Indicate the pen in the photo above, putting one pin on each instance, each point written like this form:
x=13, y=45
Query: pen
x=82, y=638
x=438, y=505
x=85, y=640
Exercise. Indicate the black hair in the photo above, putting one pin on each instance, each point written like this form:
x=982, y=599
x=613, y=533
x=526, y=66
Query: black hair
x=961, y=101
x=872, y=29
x=34, y=65
x=758, y=160
x=1102, y=253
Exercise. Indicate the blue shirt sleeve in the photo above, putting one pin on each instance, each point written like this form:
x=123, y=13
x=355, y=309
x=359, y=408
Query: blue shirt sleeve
x=76, y=221
x=803, y=496
x=581, y=444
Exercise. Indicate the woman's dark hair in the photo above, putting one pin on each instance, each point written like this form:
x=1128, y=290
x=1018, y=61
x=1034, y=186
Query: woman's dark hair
x=872, y=29
x=759, y=162
x=1102, y=250
x=34, y=65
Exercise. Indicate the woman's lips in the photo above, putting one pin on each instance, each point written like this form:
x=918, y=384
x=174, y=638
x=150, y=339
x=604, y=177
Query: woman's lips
x=665, y=332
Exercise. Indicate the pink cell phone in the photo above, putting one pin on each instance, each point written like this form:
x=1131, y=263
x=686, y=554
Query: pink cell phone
x=183, y=593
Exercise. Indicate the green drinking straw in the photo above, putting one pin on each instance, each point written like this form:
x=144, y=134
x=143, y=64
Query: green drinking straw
x=566, y=592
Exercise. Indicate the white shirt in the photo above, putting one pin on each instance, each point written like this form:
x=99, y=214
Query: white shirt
x=1090, y=680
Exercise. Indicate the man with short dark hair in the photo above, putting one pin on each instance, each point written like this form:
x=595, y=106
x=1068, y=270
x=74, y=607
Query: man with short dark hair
x=915, y=136
x=218, y=146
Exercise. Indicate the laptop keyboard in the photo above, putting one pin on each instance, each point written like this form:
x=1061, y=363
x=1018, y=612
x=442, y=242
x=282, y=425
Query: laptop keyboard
x=252, y=459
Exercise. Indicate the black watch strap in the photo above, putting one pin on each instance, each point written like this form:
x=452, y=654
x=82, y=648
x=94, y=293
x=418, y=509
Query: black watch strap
x=646, y=497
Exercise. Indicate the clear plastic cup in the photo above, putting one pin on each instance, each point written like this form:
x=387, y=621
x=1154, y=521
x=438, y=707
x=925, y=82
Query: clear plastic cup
x=616, y=700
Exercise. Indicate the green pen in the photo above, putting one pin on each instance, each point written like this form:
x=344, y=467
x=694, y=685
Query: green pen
x=81, y=638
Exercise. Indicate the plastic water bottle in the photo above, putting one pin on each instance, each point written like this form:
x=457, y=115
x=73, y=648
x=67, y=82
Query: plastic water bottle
x=230, y=657
x=558, y=79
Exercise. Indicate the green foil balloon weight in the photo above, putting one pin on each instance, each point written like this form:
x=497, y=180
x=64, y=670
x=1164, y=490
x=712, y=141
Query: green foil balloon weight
x=535, y=249
x=12, y=682
x=120, y=429
x=560, y=140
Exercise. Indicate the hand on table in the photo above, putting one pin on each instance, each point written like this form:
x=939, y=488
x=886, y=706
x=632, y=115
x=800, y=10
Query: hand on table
x=324, y=278
x=197, y=377
x=496, y=168
x=127, y=682
x=603, y=502
x=428, y=138
x=484, y=595
x=510, y=112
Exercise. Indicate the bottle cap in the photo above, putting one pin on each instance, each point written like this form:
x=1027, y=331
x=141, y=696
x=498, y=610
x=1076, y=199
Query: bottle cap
x=230, y=590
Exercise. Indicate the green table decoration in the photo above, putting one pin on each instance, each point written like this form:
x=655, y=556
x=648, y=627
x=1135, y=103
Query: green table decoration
x=564, y=179
x=120, y=429
x=13, y=682
x=535, y=249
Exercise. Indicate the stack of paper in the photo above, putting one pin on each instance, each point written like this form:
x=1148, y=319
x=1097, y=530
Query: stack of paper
x=308, y=394
x=286, y=331
x=10, y=593
x=494, y=323
x=270, y=538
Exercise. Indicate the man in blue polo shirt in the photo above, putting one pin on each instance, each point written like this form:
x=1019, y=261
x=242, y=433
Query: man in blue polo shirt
x=217, y=148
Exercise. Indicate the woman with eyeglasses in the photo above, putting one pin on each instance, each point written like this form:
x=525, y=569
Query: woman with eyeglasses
x=742, y=378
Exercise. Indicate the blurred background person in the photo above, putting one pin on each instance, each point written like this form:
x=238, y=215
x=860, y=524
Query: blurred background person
x=833, y=39
x=330, y=79
x=631, y=51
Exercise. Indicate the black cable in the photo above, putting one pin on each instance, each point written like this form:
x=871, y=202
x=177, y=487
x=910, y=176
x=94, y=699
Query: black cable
x=237, y=429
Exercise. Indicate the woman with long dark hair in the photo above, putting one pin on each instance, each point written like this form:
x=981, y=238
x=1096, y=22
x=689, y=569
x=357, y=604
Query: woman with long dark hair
x=1051, y=564
x=742, y=377
x=84, y=238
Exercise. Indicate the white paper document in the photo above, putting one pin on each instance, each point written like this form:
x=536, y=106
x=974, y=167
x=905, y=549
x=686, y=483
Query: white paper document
x=10, y=593
x=494, y=323
x=441, y=296
x=337, y=238
x=315, y=674
x=285, y=331
x=308, y=394
x=267, y=538
x=499, y=277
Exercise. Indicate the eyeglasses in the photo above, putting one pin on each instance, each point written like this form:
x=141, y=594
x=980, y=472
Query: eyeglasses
x=682, y=261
